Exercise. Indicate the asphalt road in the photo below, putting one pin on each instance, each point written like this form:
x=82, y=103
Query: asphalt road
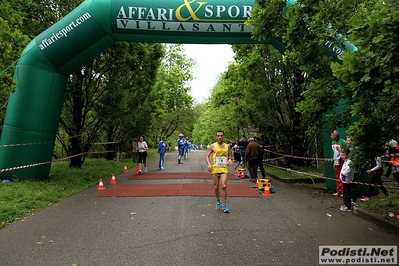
x=285, y=229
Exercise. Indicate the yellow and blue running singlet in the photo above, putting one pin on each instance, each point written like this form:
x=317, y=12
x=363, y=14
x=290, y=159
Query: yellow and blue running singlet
x=220, y=156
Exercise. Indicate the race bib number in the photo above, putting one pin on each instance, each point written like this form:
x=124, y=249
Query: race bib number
x=221, y=161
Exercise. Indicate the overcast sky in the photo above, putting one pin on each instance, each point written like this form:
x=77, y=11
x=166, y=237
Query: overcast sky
x=212, y=60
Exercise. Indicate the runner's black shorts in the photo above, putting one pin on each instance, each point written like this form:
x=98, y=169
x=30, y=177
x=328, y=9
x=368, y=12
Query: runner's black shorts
x=143, y=157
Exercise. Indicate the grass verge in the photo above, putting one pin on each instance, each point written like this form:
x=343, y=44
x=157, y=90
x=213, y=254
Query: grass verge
x=23, y=197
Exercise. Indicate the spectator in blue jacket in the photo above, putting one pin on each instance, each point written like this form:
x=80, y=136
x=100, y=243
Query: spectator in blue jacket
x=161, y=151
x=180, y=145
x=187, y=148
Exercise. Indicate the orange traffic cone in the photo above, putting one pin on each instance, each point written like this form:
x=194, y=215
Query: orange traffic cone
x=113, y=180
x=136, y=170
x=125, y=170
x=101, y=185
x=266, y=192
x=238, y=173
x=242, y=175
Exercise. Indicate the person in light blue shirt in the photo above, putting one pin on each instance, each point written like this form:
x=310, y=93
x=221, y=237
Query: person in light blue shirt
x=161, y=151
x=187, y=148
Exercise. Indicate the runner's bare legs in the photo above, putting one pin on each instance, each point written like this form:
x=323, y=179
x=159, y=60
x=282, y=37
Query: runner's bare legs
x=217, y=181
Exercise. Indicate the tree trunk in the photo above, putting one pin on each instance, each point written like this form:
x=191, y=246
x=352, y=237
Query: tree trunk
x=76, y=162
x=111, y=146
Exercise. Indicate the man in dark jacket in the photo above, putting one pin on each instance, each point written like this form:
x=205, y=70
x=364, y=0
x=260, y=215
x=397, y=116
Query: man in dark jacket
x=251, y=157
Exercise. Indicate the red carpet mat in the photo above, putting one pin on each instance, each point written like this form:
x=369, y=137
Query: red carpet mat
x=160, y=175
x=160, y=190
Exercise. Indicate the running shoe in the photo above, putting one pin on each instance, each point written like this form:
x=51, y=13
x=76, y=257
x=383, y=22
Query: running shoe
x=145, y=169
x=364, y=198
x=225, y=208
x=345, y=209
x=139, y=172
x=217, y=206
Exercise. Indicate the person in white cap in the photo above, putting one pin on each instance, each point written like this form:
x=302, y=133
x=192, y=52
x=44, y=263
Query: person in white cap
x=221, y=160
x=180, y=145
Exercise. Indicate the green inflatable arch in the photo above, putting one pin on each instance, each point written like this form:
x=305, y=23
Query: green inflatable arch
x=33, y=113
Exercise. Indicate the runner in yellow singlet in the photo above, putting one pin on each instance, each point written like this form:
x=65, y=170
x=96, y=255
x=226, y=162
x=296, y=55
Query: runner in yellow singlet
x=218, y=167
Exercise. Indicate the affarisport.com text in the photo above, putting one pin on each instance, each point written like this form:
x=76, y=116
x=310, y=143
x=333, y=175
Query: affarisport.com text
x=372, y=255
x=46, y=42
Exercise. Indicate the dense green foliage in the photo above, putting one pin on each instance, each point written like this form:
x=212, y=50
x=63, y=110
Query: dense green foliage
x=104, y=104
x=13, y=40
x=173, y=106
x=283, y=96
x=371, y=76
x=119, y=94
x=365, y=79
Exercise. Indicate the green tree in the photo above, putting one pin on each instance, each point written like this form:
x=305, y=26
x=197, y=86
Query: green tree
x=304, y=27
x=104, y=104
x=173, y=106
x=217, y=113
x=312, y=32
x=371, y=76
x=265, y=90
x=13, y=41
